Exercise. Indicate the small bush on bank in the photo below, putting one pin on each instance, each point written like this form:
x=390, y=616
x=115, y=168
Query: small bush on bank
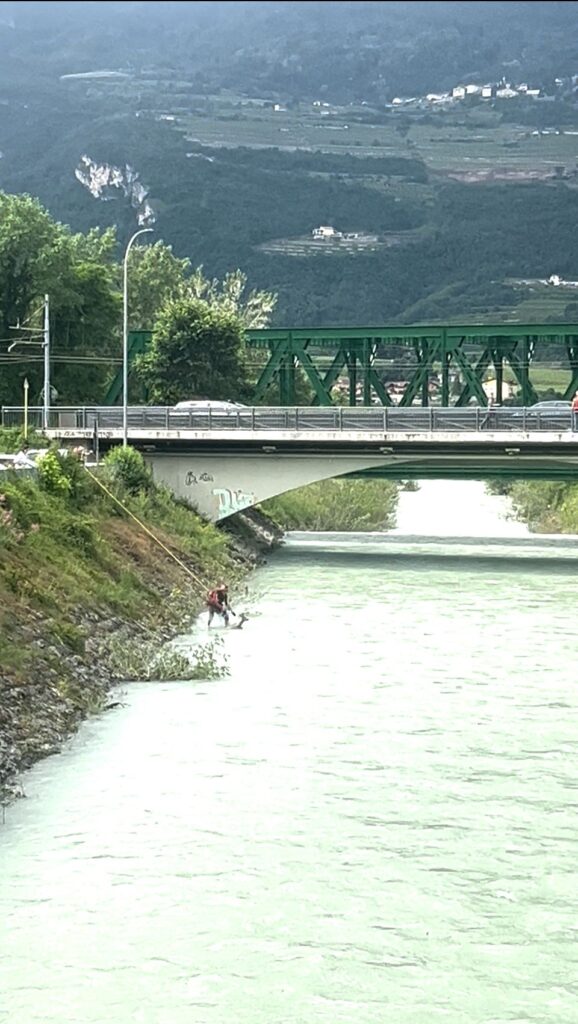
x=142, y=661
x=71, y=635
x=127, y=467
x=52, y=476
x=12, y=439
x=544, y=505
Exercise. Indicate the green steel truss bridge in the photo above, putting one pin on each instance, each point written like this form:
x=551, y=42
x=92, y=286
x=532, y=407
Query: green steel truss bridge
x=462, y=353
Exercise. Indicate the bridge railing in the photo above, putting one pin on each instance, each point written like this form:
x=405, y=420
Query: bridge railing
x=303, y=418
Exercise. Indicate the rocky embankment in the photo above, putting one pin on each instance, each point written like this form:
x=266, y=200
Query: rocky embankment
x=69, y=669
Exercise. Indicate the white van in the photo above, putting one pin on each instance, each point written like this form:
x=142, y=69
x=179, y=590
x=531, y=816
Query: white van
x=205, y=405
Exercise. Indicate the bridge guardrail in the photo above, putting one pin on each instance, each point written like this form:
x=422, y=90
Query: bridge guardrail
x=302, y=418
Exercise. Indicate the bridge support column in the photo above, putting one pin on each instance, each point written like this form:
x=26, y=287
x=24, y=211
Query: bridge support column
x=446, y=357
x=499, y=367
x=352, y=368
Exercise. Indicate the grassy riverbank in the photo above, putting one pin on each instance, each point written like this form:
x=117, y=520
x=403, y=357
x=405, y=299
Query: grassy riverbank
x=336, y=505
x=80, y=582
x=546, y=506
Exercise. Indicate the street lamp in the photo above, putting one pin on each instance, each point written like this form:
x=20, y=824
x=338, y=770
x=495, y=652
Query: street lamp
x=142, y=231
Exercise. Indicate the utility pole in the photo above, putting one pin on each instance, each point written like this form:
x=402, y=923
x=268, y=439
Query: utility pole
x=37, y=338
x=46, y=346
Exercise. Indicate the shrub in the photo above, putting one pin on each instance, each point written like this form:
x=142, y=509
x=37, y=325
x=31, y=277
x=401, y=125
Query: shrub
x=138, y=659
x=71, y=635
x=79, y=532
x=12, y=439
x=21, y=498
x=81, y=486
x=127, y=467
x=52, y=475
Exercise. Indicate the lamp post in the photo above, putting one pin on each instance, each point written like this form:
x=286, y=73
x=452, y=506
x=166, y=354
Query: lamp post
x=142, y=231
x=46, y=347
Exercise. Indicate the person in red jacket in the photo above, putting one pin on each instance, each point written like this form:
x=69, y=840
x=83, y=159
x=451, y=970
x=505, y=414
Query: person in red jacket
x=575, y=411
x=218, y=603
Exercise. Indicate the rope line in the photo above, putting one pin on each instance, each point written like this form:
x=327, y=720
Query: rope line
x=196, y=579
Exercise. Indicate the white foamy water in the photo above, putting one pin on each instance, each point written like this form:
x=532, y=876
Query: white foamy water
x=456, y=508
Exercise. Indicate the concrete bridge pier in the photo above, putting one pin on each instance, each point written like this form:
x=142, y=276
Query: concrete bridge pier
x=220, y=485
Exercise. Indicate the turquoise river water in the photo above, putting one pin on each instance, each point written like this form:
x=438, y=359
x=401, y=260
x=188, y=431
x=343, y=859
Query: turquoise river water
x=372, y=819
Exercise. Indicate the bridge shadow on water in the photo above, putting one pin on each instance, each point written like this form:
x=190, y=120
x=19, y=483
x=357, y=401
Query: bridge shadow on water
x=542, y=554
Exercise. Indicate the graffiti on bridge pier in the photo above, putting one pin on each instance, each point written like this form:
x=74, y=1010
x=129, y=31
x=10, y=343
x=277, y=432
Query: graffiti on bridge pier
x=203, y=478
x=231, y=501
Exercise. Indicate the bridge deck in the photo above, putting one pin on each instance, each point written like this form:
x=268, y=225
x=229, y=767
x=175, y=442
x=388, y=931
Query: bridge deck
x=397, y=442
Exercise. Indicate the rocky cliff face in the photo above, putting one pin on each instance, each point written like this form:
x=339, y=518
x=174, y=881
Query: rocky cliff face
x=104, y=181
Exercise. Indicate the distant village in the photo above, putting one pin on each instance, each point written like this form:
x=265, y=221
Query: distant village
x=396, y=389
x=503, y=90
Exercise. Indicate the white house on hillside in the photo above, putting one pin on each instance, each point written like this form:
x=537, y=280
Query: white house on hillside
x=325, y=231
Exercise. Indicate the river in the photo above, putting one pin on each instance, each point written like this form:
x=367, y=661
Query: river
x=371, y=819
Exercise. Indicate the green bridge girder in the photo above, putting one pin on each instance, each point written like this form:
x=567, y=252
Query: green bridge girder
x=465, y=352
x=137, y=343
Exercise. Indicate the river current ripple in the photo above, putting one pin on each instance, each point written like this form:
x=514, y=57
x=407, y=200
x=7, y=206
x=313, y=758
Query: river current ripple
x=372, y=818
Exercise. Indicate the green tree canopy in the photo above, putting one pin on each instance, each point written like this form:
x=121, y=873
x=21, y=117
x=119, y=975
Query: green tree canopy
x=39, y=256
x=156, y=276
x=86, y=327
x=254, y=310
x=82, y=275
x=197, y=351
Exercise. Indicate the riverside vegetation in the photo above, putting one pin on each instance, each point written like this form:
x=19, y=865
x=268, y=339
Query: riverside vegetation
x=336, y=505
x=547, y=506
x=87, y=598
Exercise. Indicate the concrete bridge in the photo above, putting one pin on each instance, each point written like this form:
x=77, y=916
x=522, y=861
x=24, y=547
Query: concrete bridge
x=222, y=464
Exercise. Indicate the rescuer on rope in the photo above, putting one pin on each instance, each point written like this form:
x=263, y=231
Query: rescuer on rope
x=218, y=603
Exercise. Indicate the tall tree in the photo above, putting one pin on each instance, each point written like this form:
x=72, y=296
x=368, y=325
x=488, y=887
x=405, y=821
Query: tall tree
x=86, y=327
x=254, y=310
x=197, y=351
x=39, y=256
x=156, y=276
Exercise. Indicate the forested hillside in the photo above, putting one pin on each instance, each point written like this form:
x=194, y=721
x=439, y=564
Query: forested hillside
x=240, y=128
x=348, y=50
